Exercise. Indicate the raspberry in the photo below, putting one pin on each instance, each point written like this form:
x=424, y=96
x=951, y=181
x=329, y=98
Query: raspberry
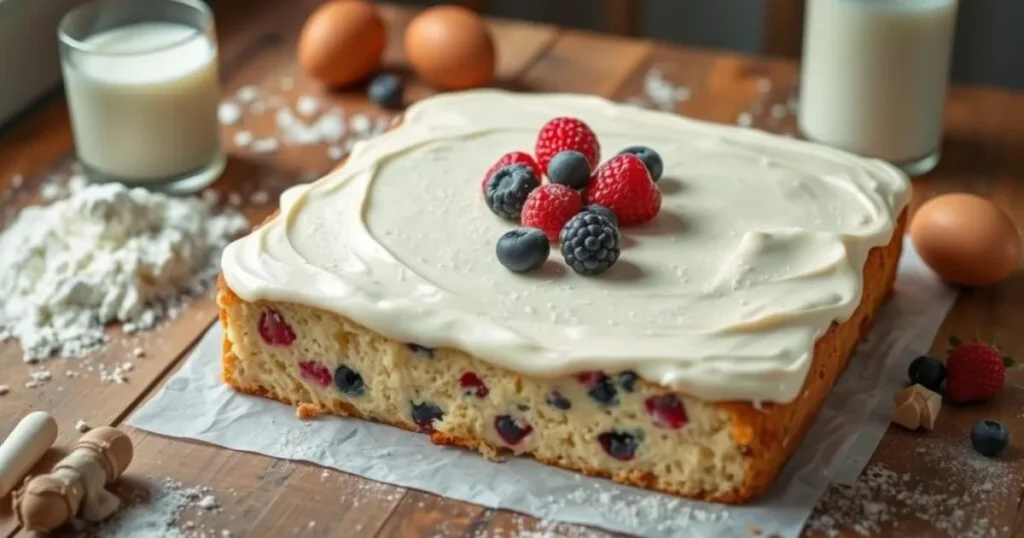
x=471, y=385
x=624, y=185
x=667, y=411
x=274, y=330
x=549, y=207
x=516, y=157
x=315, y=372
x=508, y=188
x=561, y=134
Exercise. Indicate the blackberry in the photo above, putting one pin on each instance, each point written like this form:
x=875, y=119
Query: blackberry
x=928, y=372
x=349, y=381
x=508, y=188
x=523, y=249
x=569, y=168
x=604, y=212
x=590, y=243
x=650, y=158
x=386, y=91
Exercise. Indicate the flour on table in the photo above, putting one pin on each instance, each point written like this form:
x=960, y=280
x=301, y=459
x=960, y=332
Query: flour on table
x=159, y=513
x=105, y=254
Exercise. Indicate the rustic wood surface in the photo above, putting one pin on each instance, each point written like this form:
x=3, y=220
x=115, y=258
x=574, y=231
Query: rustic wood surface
x=984, y=153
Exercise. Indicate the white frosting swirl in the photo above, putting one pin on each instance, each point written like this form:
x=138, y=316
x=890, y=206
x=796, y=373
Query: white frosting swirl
x=759, y=247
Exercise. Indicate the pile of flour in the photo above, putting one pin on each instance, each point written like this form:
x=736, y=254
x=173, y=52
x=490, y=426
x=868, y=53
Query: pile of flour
x=106, y=253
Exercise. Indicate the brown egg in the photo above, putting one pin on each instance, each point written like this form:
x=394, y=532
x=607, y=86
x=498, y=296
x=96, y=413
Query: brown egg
x=342, y=42
x=966, y=239
x=451, y=48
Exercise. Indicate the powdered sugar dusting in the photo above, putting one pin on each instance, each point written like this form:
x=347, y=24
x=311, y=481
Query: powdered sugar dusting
x=162, y=509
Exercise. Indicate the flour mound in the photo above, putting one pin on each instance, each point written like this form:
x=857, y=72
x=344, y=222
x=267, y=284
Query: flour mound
x=105, y=254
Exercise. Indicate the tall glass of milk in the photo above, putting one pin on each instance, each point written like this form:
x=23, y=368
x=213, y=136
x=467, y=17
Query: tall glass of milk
x=874, y=77
x=142, y=90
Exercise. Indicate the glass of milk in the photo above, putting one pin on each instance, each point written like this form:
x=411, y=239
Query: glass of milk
x=874, y=77
x=141, y=83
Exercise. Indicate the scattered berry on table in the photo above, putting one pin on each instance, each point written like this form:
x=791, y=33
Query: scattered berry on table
x=349, y=381
x=590, y=244
x=425, y=415
x=515, y=157
x=315, y=372
x=511, y=430
x=619, y=445
x=624, y=185
x=928, y=372
x=667, y=411
x=386, y=91
x=274, y=330
x=523, y=249
x=569, y=168
x=650, y=158
x=562, y=134
x=989, y=437
x=421, y=350
x=975, y=372
x=627, y=380
x=604, y=212
x=549, y=207
x=508, y=188
x=599, y=387
x=472, y=385
x=558, y=401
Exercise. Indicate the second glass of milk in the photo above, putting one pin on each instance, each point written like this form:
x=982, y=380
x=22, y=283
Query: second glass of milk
x=874, y=77
x=142, y=90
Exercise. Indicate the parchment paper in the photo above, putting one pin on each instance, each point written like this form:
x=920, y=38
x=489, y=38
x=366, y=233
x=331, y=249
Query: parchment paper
x=195, y=404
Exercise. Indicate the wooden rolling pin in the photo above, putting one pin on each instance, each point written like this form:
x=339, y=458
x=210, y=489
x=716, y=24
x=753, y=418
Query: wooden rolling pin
x=25, y=446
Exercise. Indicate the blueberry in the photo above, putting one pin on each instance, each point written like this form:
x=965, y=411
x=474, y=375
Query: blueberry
x=599, y=387
x=627, y=380
x=349, y=381
x=508, y=188
x=928, y=372
x=386, y=91
x=425, y=414
x=650, y=158
x=421, y=350
x=569, y=168
x=604, y=212
x=510, y=430
x=523, y=249
x=989, y=437
x=619, y=445
x=556, y=400
x=590, y=244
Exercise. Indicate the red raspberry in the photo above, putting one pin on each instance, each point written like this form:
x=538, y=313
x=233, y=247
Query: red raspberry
x=549, y=207
x=315, y=372
x=561, y=134
x=624, y=185
x=667, y=411
x=472, y=384
x=274, y=330
x=516, y=157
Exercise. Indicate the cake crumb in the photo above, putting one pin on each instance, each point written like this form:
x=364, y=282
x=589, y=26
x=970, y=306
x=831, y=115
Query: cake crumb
x=4, y=389
x=208, y=502
x=82, y=426
x=138, y=353
x=37, y=378
x=307, y=410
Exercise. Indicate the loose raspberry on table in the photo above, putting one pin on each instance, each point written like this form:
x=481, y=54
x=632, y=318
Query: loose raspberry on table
x=508, y=188
x=624, y=186
x=274, y=330
x=515, y=157
x=549, y=207
x=561, y=134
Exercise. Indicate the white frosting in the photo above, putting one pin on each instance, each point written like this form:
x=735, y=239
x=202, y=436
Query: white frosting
x=760, y=245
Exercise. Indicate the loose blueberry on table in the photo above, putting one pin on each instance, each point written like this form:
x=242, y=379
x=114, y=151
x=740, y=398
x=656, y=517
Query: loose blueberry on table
x=928, y=372
x=990, y=438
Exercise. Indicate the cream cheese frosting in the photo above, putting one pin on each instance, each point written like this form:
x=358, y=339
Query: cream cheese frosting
x=759, y=246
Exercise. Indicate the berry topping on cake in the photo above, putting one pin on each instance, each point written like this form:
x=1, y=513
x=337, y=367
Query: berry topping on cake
x=667, y=411
x=349, y=381
x=515, y=157
x=599, y=387
x=425, y=415
x=549, y=207
x=274, y=330
x=928, y=372
x=558, y=401
x=604, y=212
x=421, y=350
x=523, y=249
x=569, y=168
x=989, y=438
x=472, y=385
x=650, y=158
x=561, y=134
x=590, y=244
x=508, y=188
x=627, y=380
x=315, y=372
x=624, y=185
x=619, y=445
x=386, y=91
x=974, y=372
x=511, y=430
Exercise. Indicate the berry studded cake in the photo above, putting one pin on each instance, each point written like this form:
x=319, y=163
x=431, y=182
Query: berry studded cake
x=624, y=293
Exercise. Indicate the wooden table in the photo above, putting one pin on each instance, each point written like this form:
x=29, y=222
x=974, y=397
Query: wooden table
x=984, y=153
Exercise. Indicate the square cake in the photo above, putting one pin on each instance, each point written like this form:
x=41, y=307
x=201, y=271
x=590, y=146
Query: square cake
x=693, y=365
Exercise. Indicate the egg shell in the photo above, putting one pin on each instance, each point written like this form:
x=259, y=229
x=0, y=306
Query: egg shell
x=342, y=42
x=451, y=48
x=966, y=239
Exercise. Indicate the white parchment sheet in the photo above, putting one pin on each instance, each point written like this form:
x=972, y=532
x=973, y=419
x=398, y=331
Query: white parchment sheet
x=195, y=404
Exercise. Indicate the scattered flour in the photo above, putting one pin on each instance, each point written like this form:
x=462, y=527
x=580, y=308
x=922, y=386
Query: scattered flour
x=104, y=254
x=82, y=426
x=664, y=94
x=37, y=378
x=158, y=513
